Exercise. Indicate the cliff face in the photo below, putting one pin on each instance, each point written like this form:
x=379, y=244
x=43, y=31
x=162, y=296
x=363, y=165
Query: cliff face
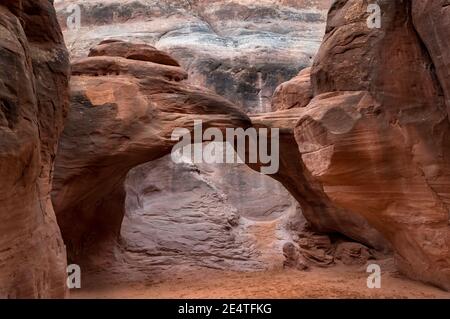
x=240, y=49
x=375, y=136
x=431, y=22
x=34, y=100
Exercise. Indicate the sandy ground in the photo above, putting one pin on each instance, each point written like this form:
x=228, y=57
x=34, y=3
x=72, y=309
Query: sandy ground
x=186, y=282
x=335, y=282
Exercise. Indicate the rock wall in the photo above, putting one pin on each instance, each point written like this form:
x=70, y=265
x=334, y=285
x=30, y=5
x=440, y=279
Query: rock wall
x=240, y=49
x=322, y=215
x=375, y=137
x=178, y=215
x=34, y=70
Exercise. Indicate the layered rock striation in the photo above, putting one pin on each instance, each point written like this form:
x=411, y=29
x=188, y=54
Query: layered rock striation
x=364, y=133
x=34, y=71
x=124, y=111
x=240, y=49
x=374, y=139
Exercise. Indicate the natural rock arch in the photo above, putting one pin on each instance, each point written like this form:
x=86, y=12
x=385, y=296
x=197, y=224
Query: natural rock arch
x=123, y=114
x=364, y=135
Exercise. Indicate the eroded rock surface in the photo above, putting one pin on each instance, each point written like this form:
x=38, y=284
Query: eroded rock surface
x=240, y=49
x=432, y=22
x=34, y=71
x=364, y=145
x=322, y=215
x=374, y=140
x=294, y=93
x=352, y=253
x=123, y=114
x=178, y=215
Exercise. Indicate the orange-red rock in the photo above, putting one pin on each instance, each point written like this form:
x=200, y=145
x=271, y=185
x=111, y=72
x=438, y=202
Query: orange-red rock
x=141, y=52
x=294, y=93
x=374, y=144
x=123, y=114
x=241, y=49
x=34, y=71
x=376, y=135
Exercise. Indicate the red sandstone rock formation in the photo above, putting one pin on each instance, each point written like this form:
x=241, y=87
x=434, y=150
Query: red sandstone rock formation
x=34, y=71
x=294, y=93
x=321, y=213
x=123, y=114
x=432, y=23
x=372, y=160
x=375, y=140
x=132, y=51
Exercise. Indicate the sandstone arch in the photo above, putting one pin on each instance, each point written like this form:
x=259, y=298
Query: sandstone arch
x=371, y=148
x=123, y=114
x=124, y=95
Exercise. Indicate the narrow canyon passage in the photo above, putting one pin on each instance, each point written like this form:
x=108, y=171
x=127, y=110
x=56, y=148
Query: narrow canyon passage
x=351, y=100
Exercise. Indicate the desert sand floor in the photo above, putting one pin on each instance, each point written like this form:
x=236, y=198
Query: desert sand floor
x=335, y=282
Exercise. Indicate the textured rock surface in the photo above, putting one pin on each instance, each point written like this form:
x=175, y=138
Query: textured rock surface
x=123, y=114
x=179, y=215
x=375, y=138
x=292, y=257
x=240, y=49
x=399, y=134
x=432, y=22
x=320, y=212
x=372, y=130
x=294, y=93
x=34, y=99
x=352, y=253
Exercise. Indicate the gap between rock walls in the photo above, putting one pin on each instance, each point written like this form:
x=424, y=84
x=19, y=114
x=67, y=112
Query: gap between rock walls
x=349, y=99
